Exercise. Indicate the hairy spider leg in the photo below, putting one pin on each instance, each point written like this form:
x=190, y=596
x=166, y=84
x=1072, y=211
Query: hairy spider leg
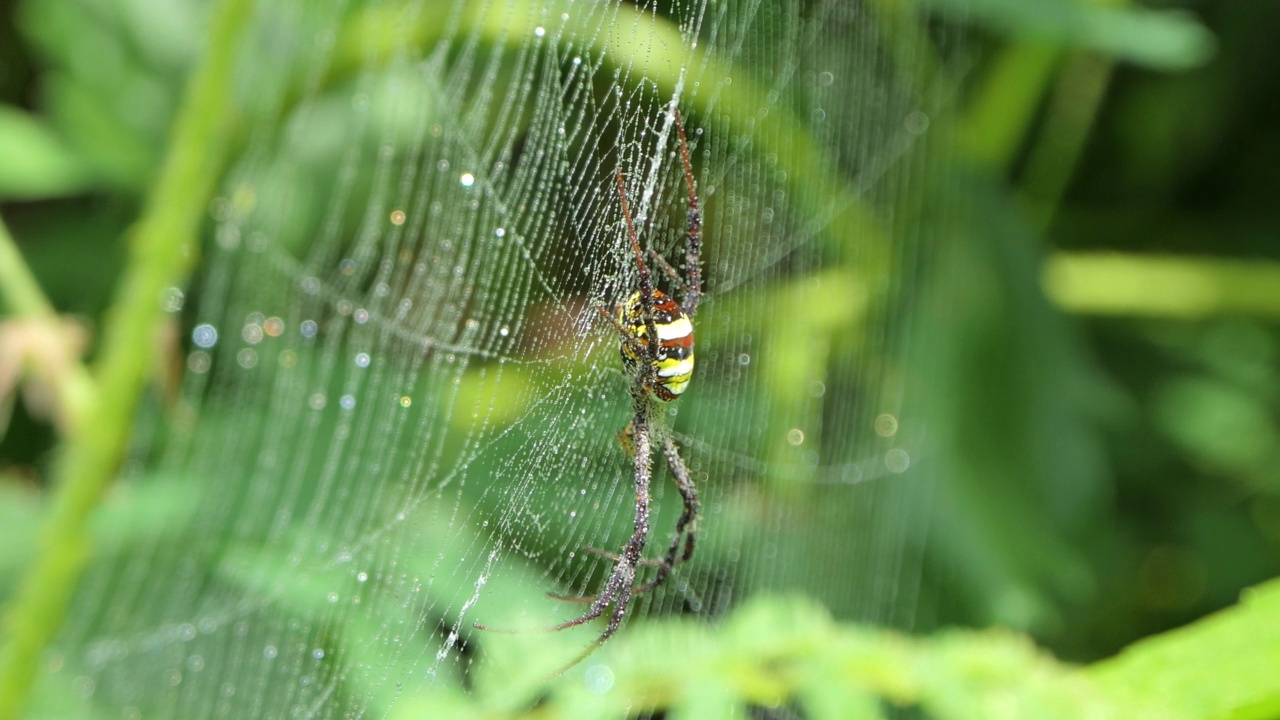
x=668, y=270
x=627, y=337
x=692, y=286
x=617, y=591
x=686, y=526
x=693, y=229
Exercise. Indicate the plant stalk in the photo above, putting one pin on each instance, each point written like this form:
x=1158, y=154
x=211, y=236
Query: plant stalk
x=163, y=247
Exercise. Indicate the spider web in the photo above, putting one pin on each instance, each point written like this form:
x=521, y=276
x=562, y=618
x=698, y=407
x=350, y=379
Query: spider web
x=400, y=400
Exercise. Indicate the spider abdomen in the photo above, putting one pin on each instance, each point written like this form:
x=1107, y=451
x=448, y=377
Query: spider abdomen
x=673, y=365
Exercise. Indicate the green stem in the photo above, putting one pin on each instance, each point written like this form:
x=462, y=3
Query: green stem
x=18, y=286
x=163, y=248
x=1069, y=119
x=999, y=119
x=1162, y=286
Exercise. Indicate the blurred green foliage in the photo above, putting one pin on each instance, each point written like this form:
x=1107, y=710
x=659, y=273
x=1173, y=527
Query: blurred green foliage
x=1109, y=473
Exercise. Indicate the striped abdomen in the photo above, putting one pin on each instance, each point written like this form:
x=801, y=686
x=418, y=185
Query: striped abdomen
x=673, y=367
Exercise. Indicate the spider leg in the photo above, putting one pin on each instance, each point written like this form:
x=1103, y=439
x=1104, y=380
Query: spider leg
x=686, y=530
x=646, y=299
x=668, y=270
x=686, y=526
x=693, y=229
x=688, y=492
x=617, y=591
x=638, y=346
x=635, y=589
x=616, y=557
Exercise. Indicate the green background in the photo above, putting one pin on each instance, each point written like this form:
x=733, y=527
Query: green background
x=1106, y=405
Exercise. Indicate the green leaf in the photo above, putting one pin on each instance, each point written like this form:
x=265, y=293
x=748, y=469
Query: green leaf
x=123, y=155
x=1159, y=39
x=1221, y=667
x=35, y=162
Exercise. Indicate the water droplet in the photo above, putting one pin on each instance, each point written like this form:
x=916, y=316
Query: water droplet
x=172, y=300
x=205, y=335
x=598, y=679
x=83, y=685
x=468, y=179
x=916, y=122
x=252, y=333
x=795, y=436
x=897, y=461
x=886, y=425
x=218, y=208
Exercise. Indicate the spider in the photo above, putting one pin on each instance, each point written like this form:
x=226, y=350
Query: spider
x=657, y=352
